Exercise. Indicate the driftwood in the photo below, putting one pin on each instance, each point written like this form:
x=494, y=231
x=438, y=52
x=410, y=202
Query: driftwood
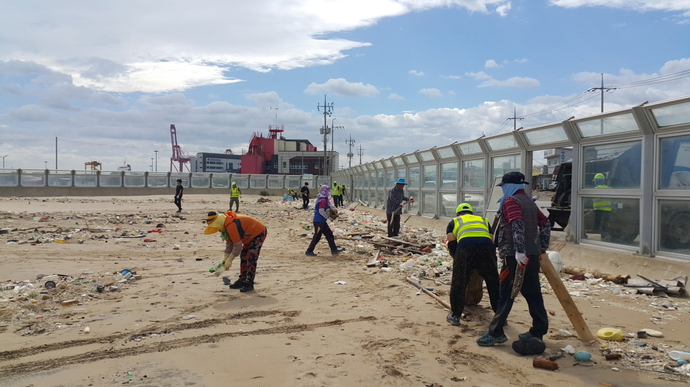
x=435, y=297
x=615, y=278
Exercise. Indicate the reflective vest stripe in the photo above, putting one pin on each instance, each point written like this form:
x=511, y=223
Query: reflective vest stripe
x=336, y=190
x=601, y=204
x=235, y=192
x=471, y=226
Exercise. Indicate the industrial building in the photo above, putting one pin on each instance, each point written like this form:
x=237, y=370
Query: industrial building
x=277, y=155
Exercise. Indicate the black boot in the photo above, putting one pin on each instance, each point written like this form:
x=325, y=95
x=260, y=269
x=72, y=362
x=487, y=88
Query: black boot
x=239, y=284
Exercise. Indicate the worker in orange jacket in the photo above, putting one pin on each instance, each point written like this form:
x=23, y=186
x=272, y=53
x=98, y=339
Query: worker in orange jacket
x=243, y=236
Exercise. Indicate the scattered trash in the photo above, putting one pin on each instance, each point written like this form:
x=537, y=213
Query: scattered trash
x=340, y=282
x=583, y=356
x=613, y=334
x=545, y=364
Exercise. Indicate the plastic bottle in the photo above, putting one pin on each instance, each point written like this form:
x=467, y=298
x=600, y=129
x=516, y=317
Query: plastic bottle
x=614, y=356
x=217, y=268
x=545, y=364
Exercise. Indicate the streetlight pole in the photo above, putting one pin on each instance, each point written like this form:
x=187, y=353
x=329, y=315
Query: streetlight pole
x=156, y=160
x=46, y=162
x=330, y=159
x=3, y=161
x=151, y=164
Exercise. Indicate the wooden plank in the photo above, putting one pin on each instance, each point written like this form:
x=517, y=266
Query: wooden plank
x=435, y=297
x=405, y=242
x=565, y=299
x=396, y=247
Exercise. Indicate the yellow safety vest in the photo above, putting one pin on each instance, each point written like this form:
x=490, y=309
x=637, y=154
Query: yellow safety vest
x=336, y=190
x=471, y=226
x=235, y=192
x=602, y=204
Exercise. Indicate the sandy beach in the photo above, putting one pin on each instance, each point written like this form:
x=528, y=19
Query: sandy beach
x=311, y=321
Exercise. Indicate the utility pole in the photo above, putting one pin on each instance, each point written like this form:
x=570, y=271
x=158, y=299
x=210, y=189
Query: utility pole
x=332, y=158
x=350, y=143
x=515, y=118
x=3, y=161
x=156, y=160
x=602, y=88
x=327, y=111
x=360, y=154
x=56, y=146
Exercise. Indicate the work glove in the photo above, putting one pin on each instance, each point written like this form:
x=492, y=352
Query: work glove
x=521, y=259
x=227, y=262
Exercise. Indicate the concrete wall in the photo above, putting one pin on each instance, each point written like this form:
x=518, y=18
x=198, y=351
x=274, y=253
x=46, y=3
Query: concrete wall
x=122, y=191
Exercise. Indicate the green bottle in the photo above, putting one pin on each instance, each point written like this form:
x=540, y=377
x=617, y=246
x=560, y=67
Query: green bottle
x=216, y=267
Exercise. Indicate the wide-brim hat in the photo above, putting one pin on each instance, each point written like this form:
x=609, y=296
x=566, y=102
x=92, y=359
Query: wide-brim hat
x=401, y=181
x=512, y=178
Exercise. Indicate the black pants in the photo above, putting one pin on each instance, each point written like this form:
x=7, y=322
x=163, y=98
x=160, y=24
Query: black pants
x=468, y=258
x=235, y=200
x=393, y=224
x=321, y=228
x=178, y=203
x=531, y=290
x=305, y=202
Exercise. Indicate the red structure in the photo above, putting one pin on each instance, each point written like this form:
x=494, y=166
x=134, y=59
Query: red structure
x=178, y=155
x=263, y=153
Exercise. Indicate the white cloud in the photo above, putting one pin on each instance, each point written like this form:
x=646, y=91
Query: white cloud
x=395, y=96
x=490, y=64
x=453, y=77
x=639, y=5
x=342, y=87
x=511, y=82
x=417, y=73
x=503, y=9
x=479, y=75
x=470, y=5
x=431, y=92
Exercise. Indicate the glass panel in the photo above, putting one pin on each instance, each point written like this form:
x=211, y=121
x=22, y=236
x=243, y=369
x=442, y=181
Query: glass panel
x=476, y=201
x=609, y=125
x=372, y=179
x=135, y=179
x=293, y=182
x=429, y=176
x=620, y=165
x=413, y=181
x=504, y=142
x=402, y=174
x=470, y=148
x=158, y=180
x=675, y=163
x=183, y=176
x=672, y=115
x=387, y=163
x=398, y=161
x=201, y=180
x=242, y=181
x=257, y=181
x=85, y=179
x=449, y=175
x=611, y=220
x=504, y=164
x=275, y=182
x=379, y=200
x=449, y=202
x=674, y=226
x=411, y=159
x=427, y=156
x=365, y=195
x=33, y=178
x=109, y=179
x=221, y=180
x=378, y=165
x=370, y=167
x=429, y=206
x=9, y=178
x=389, y=179
x=381, y=179
x=445, y=153
x=473, y=173
x=60, y=179
x=546, y=136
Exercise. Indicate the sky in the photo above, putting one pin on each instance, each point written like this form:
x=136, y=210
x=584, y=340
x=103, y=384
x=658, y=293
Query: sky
x=108, y=78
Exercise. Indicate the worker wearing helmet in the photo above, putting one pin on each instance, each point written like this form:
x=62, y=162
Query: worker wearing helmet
x=602, y=208
x=470, y=245
x=235, y=195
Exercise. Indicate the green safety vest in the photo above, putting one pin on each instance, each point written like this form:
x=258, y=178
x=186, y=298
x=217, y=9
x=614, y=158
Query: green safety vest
x=234, y=192
x=601, y=204
x=336, y=190
x=471, y=226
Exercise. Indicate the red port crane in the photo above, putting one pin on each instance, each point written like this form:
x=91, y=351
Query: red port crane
x=178, y=155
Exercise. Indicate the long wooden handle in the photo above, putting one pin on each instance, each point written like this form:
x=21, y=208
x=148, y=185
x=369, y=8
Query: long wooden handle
x=566, y=301
x=435, y=297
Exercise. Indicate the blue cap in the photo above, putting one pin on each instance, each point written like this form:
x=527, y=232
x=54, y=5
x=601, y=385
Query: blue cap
x=401, y=181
